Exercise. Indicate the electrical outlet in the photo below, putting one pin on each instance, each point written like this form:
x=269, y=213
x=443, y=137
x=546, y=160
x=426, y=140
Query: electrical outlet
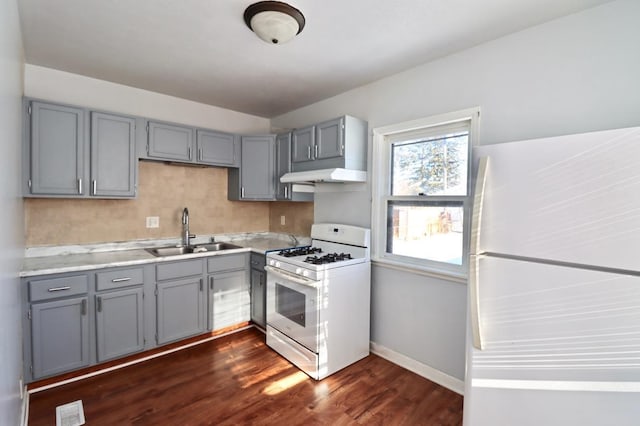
x=153, y=222
x=282, y=220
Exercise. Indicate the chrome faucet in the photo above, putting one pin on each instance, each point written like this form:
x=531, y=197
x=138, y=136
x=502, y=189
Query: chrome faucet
x=186, y=236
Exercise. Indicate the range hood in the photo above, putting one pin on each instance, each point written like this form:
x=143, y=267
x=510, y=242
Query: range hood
x=325, y=175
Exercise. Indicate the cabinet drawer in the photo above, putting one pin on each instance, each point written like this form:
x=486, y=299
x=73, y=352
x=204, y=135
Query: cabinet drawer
x=224, y=263
x=119, y=278
x=53, y=288
x=258, y=261
x=186, y=268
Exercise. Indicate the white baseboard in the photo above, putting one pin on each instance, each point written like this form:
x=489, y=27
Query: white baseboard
x=24, y=416
x=419, y=368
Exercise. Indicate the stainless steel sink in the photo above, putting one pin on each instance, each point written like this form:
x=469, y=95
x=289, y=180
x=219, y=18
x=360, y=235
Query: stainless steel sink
x=199, y=248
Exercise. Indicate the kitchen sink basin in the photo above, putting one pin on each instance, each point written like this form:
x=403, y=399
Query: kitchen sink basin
x=200, y=248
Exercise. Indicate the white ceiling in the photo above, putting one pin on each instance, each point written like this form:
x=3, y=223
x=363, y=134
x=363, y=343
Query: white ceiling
x=202, y=50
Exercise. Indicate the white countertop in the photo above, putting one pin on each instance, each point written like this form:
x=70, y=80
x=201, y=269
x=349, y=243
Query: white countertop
x=59, y=259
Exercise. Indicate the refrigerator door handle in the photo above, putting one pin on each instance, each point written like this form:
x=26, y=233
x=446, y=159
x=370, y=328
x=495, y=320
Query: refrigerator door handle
x=474, y=302
x=474, y=258
x=478, y=204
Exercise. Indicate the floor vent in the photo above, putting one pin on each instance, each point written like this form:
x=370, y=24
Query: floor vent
x=71, y=414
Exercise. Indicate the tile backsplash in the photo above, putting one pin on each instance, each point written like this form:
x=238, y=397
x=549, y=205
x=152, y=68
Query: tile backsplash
x=163, y=191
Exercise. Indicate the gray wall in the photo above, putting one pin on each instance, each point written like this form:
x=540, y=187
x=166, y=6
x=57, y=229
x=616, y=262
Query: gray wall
x=11, y=222
x=575, y=74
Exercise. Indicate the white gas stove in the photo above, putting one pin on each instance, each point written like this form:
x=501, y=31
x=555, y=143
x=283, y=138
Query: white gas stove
x=318, y=300
x=332, y=246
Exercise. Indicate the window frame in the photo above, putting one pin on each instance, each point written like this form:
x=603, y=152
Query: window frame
x=383, y=139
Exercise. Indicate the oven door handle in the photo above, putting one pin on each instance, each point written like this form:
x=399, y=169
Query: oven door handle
x=291, y=277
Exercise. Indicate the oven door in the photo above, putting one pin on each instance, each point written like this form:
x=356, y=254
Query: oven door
x=292, y=306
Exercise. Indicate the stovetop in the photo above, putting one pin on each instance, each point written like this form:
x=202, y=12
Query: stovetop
x=314, y=255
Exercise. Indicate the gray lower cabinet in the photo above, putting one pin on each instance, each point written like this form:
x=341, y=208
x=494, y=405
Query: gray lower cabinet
x=60, y=336
x=76, y=153
x=119, y=323
x=258, y=290
x=57, y=331
x=180, y=303
x=255, y=179
x=229, y=297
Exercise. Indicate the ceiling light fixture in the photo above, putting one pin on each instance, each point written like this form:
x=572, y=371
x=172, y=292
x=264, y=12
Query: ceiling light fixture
x=273, y=21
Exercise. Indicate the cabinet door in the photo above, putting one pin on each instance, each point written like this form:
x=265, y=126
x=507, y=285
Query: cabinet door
x=170, y=142
x=180, y=309
x=59, y=336
x=57, y=149
x=113, y=156
x=257, y=168
x=302, y=144
x=283, y=165
x=258, y=297
x=216, y=148
x=229, y=298
x=330, y=139
x=119, y=323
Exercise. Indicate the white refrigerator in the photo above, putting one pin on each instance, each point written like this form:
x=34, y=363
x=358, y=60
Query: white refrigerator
x=554, y=283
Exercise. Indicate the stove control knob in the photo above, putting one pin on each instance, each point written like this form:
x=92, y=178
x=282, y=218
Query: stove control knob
x=305, y=273
x=272, y=262
x=298, y=271
x=277, y=264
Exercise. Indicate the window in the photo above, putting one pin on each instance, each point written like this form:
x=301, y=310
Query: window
x=421, y=196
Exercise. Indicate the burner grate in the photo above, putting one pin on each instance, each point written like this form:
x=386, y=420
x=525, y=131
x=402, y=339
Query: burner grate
x=328, y=258
x=302, y=251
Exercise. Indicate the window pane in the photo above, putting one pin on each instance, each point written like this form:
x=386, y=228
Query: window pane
x=432, y=232
x=435, y=166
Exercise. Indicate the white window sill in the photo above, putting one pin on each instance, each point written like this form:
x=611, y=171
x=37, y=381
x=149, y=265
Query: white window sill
x=459, y=278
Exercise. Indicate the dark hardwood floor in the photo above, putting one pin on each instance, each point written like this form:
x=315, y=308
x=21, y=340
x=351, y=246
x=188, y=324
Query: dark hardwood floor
x=237, y=379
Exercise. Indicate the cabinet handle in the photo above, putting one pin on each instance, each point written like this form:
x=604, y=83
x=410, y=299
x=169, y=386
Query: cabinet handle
x=83, y=307
x=201, y=284
x=99, y=308
x=94, y=183
x=200, y=154
x=242, y=192
x=286, y=192
x=80, y=186
x=211, y=283
x=119, y=280
x=189, y=152
x=309, y=152
x=315, y=151
x=52, y=289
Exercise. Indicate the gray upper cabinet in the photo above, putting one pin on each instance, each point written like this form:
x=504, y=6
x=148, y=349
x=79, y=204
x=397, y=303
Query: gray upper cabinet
x=255, y=180
x=119, y=327
x=337, y=143
x=184, y=144
x=169, y=141
x=329, y=139
x=217, y=148
x=113, y=156
x=303, y=144
x=73, y=152
x=284, y=191
x=56, y=148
